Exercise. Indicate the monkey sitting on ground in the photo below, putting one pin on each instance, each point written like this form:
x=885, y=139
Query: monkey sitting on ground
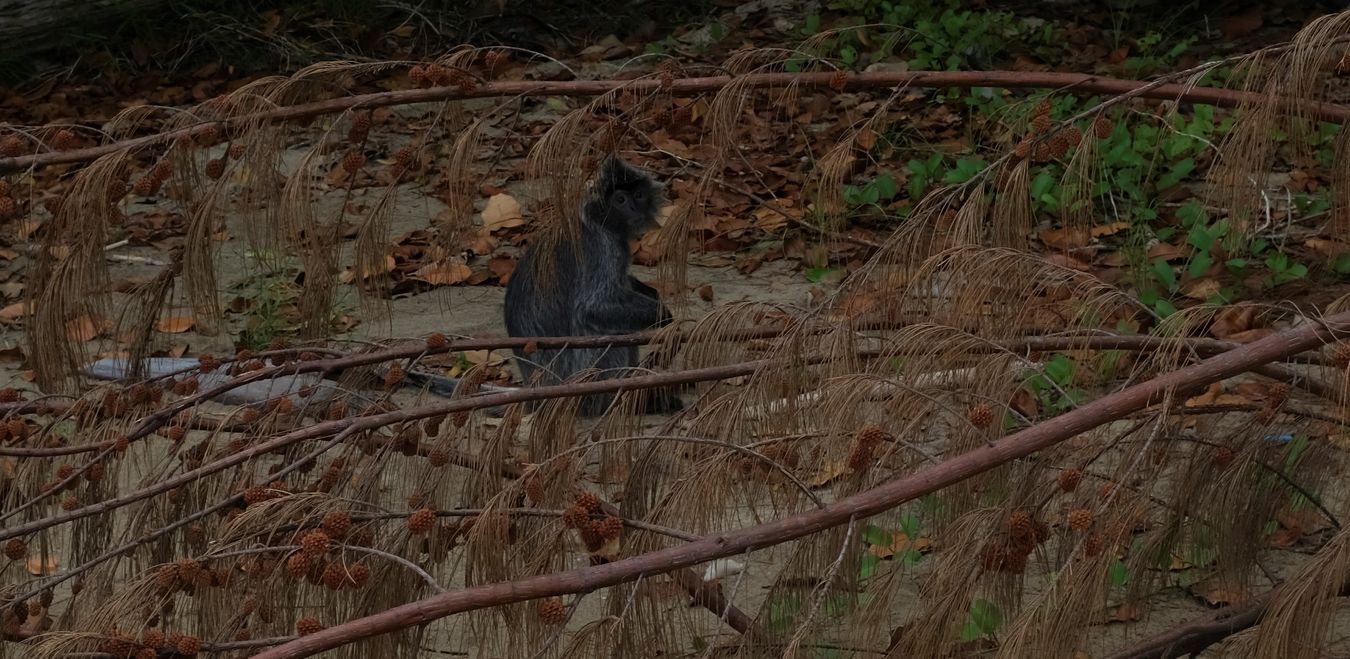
x=588, y=291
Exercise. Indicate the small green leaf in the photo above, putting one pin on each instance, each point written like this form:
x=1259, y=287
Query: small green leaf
x=877, y=536
x=1163, y=271
x=1042, y=184
x=868, y=566
x=886, y=186
x=1060, y=368
x=1295, y=450
x=909, y=523
x=814, y=275
x=1118, y=573
x=1200, y=237
x=1200, y=262
x=870, y=196
x=986, y=616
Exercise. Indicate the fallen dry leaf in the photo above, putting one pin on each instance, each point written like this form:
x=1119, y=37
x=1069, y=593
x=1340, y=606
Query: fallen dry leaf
x=501, y=212
x=483, y=357
x=769, y=220
x=1109, y=229
x=1231, y=320
x=828, y=472
x=175, y=324
x=1065, y=239
x=1169, y=252
x=503, y=266
x=82, y=329
x=444, y=273
x=1211, y=396
x=40, y=567
x=482, y=244
x=349, y=275
x=1220, y=591
x=1201, y=289
x=1327, y=248
x=901, y=543
x=1068, y=261
x=13, y=312
x=1127, y=612
x=1250, y=335
x=1025, y=403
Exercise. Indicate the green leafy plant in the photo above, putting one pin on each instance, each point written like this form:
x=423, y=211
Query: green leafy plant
x=1154, y=53
x=876, y=192
x=1283, y=269
x=984, y=619
x=1053, y=383
x=928, y=34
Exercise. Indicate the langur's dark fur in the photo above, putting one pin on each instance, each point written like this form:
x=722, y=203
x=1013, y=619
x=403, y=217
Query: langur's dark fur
x=588, y=291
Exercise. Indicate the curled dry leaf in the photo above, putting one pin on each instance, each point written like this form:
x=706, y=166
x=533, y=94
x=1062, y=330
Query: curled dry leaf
x=1215, y=394
x=1233, y=320
x=828, y=472
x=1250, y=335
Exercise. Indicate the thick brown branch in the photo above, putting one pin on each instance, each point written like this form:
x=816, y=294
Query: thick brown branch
x=1194, y=636
x=1076, y=83
x=858, y=506
x=1134, y=342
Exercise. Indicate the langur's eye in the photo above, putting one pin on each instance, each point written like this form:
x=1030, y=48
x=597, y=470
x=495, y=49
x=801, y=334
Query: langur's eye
x=621, y=198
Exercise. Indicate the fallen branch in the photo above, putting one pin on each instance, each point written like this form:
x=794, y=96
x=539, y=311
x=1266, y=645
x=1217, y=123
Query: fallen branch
x=1194, y=636
x=859, y=506
x=1075, y=83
